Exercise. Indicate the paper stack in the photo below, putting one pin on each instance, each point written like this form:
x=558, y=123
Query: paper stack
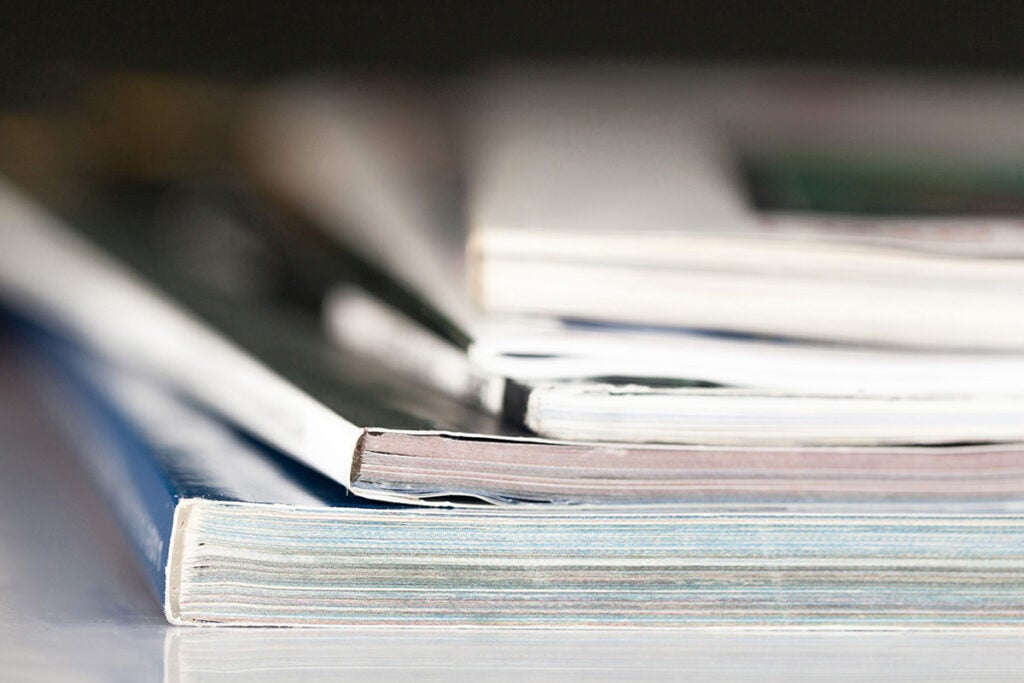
x=558, y=347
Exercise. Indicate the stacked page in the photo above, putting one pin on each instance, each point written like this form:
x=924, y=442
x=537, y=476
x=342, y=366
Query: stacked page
x=233, y=534
x=781, y=204
x=638, y=282
x=389, y=439
x=549, y=347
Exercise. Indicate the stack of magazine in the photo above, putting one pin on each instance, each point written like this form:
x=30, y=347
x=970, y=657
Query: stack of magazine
x=555, y=347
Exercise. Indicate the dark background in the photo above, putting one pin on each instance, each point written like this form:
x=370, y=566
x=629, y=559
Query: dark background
x=259, y=39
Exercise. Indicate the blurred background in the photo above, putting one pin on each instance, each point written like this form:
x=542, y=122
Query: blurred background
x=71, y=59
x=251, y=40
